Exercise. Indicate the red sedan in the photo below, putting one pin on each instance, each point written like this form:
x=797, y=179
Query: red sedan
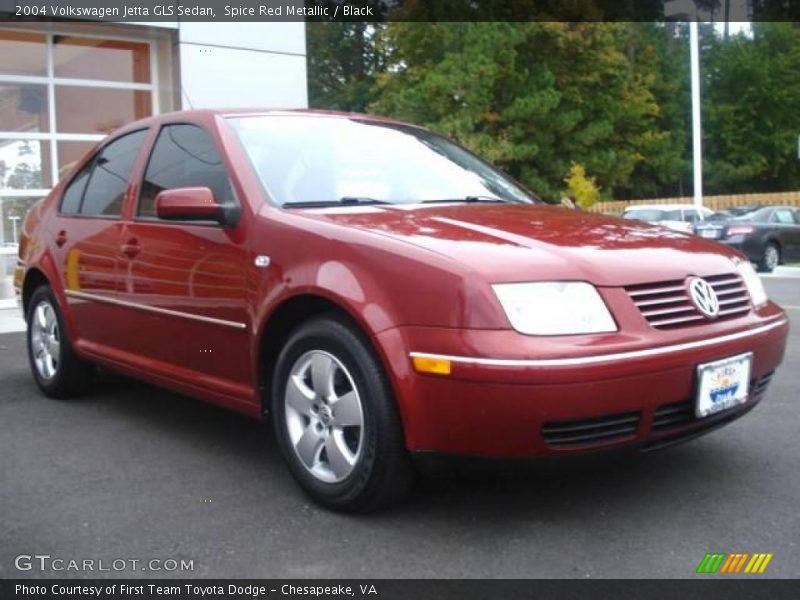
x=374, y=291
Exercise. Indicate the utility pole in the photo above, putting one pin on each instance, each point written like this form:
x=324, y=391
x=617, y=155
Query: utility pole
x=727, y=18
x=697, y=130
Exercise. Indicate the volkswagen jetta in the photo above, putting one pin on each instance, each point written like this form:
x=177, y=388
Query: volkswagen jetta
x=374, y=291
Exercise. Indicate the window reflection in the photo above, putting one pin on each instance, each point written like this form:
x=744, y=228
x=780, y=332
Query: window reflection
x=70, y=153
x=24, y=164
x=13, y=210
x=110, y=108
x=311, y=159
x=22, y=53
x=23, y=107
x=109, y=60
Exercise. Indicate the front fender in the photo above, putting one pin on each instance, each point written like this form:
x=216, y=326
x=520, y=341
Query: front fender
x=345, y=285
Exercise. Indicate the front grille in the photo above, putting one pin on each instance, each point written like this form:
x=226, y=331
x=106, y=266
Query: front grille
x=669, y=416
x=596, y=430
x=666, y=305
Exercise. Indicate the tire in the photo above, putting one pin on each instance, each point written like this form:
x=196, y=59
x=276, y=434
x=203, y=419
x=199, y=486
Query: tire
x=770, y=259
x=57, y=370
x=336, y=420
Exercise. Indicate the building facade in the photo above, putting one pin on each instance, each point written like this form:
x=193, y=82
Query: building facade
x=64, y=86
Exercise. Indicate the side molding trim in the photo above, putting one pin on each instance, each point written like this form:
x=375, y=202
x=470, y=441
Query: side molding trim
x=153, y=309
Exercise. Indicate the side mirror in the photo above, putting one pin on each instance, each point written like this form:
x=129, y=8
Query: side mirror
x=194, y=204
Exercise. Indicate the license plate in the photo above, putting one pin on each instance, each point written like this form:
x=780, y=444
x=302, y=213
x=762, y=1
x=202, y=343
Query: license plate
x=710, y=233
x=722, y=384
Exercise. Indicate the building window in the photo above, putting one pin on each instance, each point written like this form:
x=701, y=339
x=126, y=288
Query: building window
x=59, y=95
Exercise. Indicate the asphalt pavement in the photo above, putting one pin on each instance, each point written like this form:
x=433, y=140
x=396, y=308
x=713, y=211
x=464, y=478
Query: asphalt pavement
x=136, y=473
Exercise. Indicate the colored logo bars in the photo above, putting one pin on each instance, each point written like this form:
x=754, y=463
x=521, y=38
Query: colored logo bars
x=738, y=562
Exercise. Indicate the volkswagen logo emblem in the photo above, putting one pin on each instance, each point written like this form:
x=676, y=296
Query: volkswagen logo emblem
x=703, y=297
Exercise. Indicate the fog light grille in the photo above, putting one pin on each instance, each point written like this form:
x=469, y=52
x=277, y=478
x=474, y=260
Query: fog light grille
x=760, y=387
x=596, y=430
x=673, y=415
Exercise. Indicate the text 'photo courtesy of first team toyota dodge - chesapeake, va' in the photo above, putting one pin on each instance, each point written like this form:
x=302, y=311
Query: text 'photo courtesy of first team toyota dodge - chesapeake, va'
x=376, y=291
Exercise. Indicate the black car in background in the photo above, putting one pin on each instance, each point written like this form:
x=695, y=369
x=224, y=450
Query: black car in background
x=767, y=235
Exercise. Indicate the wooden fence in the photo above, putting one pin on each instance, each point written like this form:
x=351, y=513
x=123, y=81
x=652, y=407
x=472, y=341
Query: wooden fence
x=712, y=202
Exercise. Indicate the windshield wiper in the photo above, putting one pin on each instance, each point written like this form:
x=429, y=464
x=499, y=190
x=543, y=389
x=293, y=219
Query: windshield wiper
x=469, y=199
x=344, y=201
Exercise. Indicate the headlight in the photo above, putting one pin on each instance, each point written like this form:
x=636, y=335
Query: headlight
x=753, y=282
x=554, y=308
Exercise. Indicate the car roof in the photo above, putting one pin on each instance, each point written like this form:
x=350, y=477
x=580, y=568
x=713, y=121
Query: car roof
x=199, y=114
x=769, y=208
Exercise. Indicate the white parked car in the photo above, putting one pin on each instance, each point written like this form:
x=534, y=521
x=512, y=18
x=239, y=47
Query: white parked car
x=680, y=217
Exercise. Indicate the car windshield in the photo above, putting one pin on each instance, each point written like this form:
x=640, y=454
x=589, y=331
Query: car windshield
x=310, y=160
x=653, y=214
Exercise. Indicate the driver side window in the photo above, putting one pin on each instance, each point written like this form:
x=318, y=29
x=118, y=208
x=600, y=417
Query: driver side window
x=183, y=156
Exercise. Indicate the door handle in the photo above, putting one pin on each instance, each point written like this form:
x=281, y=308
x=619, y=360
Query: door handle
x=61, y=238
x=130, y=248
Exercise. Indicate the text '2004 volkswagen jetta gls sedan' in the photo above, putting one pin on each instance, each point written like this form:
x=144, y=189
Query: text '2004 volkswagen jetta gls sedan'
x=376, y=291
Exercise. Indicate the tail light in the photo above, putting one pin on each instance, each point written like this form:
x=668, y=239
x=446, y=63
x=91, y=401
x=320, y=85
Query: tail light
x=739, y=230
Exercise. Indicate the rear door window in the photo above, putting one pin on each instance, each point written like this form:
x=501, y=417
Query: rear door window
x=105, y=190
x=784, y=215
x=73, y=195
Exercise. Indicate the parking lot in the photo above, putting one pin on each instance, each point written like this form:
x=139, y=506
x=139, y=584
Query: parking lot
x=134, y=472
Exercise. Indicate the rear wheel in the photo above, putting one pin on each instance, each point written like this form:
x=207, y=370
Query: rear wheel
x=770, y=259
x=336, y=421
x=57, y=370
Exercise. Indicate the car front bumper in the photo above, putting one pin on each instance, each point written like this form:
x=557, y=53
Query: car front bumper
x=590, y=400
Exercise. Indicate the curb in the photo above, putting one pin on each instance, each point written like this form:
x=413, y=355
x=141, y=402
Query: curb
x=784, y=272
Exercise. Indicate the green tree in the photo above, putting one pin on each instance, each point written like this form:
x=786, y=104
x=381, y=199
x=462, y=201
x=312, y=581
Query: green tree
x=24, y=177
x=535, y=97
x=751, y=110
x=661, y=55
x=343, y=59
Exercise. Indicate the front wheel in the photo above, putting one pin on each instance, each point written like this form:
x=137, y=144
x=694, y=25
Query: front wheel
x=770, y=259
x=58, y=371
x=336, y=420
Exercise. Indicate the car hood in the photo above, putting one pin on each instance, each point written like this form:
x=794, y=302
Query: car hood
x=510, y=242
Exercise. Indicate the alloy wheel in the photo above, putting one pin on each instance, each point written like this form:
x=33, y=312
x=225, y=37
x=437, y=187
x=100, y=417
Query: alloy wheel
x=45, y=340
x=324, y=416
x=771, y=257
